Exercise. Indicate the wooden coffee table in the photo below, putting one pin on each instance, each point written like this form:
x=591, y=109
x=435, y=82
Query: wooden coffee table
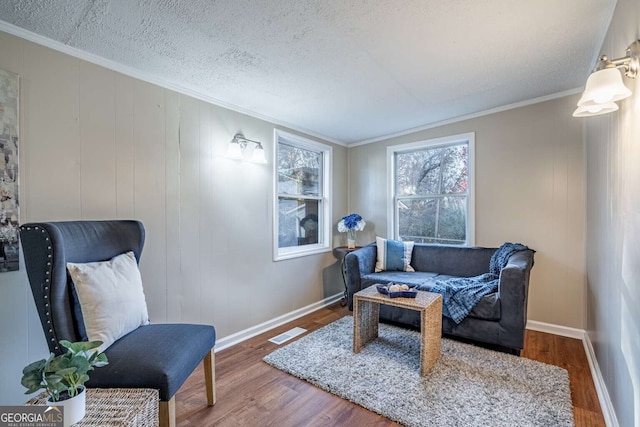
x=366, y=310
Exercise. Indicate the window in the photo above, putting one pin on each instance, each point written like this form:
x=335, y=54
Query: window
x=302, y=208
x=431, y=190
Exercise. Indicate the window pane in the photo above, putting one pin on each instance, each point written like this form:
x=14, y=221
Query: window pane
x=418, y=172
x=433, y=190
x=452, y=220
x=433, y=220
x=302, y=199
x=298, y=222
x=417, y=219
x=299, y=171
x=454, y=169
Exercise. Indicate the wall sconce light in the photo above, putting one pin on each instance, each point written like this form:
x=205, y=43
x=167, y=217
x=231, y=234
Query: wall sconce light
x=604, y=86
x=235, y=149
x=594, y=110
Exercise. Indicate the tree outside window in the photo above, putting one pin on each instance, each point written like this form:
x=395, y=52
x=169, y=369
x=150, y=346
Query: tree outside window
x=432, y=191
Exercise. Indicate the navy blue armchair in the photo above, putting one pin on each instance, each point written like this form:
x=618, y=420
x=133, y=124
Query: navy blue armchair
x=158, y=356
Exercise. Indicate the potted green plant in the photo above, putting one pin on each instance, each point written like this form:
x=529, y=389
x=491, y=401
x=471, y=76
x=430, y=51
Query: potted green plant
x=63, y=376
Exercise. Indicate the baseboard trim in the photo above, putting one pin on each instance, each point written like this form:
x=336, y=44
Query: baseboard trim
x=550, y=328
x=608, y=412
x=606, y=405
x=245, y=334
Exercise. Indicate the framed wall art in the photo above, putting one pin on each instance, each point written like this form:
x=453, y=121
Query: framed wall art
x=9, y=177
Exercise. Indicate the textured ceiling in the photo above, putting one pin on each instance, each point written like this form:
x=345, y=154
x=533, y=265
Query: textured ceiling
x=348, y=70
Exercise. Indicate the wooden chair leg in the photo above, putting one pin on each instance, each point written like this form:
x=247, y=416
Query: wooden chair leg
x=210, y=377
x=167, y=413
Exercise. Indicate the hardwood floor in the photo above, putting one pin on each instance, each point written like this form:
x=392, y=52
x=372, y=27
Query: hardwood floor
x=252, y=393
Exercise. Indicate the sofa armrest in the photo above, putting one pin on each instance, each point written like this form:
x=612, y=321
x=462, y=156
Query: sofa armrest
x=357, y=264
x=513, y=291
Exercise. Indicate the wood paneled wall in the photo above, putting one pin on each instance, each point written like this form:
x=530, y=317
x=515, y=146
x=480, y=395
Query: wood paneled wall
x=529, y=174
x=96, y=144
x=613, y=233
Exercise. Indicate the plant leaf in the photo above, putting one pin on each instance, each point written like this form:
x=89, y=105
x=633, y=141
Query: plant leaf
x=80, y=363
x=65, y=372
x=34, y=367
x=80, y=346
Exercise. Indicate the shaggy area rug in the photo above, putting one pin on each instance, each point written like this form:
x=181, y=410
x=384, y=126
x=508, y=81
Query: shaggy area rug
x=468, y=386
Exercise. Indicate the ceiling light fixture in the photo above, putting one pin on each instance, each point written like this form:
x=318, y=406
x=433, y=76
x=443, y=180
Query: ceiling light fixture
x=604, y=86
x=235, y=149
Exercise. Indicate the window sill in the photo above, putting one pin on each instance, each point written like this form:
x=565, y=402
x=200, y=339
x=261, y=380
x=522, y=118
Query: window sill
x=298, y=252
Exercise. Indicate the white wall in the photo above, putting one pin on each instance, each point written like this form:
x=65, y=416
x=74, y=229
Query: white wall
x=613, y=231
x=95, y=144
x=529, y=189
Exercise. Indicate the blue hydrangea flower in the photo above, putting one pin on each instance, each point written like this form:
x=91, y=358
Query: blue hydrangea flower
x=351, y=222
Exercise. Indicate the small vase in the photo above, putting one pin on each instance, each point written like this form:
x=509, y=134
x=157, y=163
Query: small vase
x=351, y=238
x=74, y=408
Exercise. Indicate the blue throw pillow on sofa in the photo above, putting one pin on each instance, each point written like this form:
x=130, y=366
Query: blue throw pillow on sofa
x=393, y=255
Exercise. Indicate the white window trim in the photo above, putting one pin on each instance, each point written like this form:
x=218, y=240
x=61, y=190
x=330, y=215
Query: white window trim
x=280, y=254
x=392, y=221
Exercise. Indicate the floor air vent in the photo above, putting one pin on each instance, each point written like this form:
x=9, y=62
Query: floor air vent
x=286, y=336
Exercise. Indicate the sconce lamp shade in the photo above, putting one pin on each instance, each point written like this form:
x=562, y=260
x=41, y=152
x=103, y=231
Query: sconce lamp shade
x=596, y=109
x=603, y=86
x=234, y=151
x=258, y=155
x=238, y=145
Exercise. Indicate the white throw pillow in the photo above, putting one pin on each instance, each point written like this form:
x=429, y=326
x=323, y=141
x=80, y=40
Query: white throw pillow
x=111, y=297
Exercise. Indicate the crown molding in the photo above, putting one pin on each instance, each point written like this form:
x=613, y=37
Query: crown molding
x=153, y=79
x=194, y=93
x=469, y=116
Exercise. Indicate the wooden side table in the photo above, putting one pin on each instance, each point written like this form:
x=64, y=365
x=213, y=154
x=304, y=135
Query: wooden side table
x=340, y=253
x=366, y=309
x=116, y=407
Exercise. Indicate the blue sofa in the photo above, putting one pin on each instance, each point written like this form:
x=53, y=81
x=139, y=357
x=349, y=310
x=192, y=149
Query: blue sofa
x=498, y=320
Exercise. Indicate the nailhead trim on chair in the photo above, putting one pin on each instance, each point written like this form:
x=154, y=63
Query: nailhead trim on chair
x=45, y=285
